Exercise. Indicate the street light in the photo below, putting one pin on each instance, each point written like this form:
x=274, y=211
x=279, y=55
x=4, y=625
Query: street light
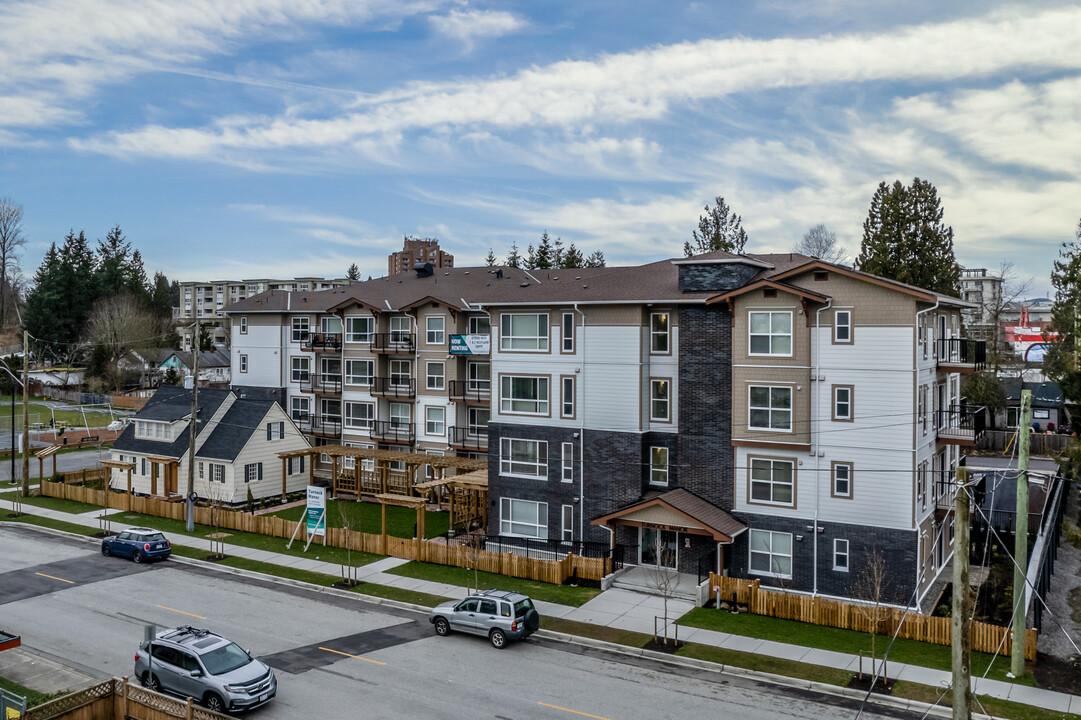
x=14, y=379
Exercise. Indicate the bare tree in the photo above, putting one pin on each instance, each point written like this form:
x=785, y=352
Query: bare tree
x=474, y=544
x=216, y=495
x=11, y=240
x=351, y=530
x=664, y=578
x=821, y=242
x=871, y=586
x=995, y=305
x=117, y=325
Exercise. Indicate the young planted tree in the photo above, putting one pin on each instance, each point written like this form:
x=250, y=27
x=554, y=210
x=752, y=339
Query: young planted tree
x=664, y=578
x=719, y=229
x=351, y=529
x=871, y=586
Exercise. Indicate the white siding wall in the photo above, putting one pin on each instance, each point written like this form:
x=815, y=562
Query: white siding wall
x=259, y=450
x=262, y=345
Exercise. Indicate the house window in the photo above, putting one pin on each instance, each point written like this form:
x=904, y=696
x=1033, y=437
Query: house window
x=568, y=462
x=527, y=395
x=253, y=472
x=568, y=333
x=435, y=375
x=359, y=329
x=524, y=332
x=523, y=518
x=659, y=406
x=478, y=421
x=217, y=473
x=400, y=414
x=523, y=458
x=300, y=408
x=296, y=465
x=842, y=480
x=480, y=376
x=568, y=523
x=201, y=472
x=842, y=402
x=773, y=482
x=770, y=408
x=399, y=329
x=359, y=372
x=658, y=466
x=479, y=325
x=330, y=370
x=840, y=555
x=771, y=553
x=146, y=470
x=243, y=325
x=435, y=326
x=330, y=325
x=770, y=333
x=921, y=409
x=400, y=373
x=842, y=326
x=658, y=333
x=921, y=485
x=566, y=402
x=435, y=419
x=300, y=329
x=243, y=363
x=359, y=415
x=275, y=429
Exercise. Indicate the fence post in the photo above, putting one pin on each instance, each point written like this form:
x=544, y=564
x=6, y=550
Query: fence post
x=188, y=709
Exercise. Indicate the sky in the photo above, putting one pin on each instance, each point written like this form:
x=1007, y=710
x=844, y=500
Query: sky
x=278, y=138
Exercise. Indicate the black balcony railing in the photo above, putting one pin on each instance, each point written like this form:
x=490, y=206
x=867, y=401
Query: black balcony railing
x=394, y=342
x=393, y=431
x=962, y=352
x=961, y=424
x=469, y=438
x=321, y=425
x=326, y=384
x=322, y=341
x=475, y=391
x=394, y=387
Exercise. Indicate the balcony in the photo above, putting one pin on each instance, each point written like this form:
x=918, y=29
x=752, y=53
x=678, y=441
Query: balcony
x=961, y=355
x=322, y=384
x=324, y=425
x=960, y=425
x=394, y=343
x=322, y=342
x=392, y=431
x=474, y=392
x=394, y=387
x=469, y=438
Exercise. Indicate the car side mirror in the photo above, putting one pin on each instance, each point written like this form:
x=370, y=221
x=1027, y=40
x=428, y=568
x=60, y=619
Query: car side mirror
x=196, y=673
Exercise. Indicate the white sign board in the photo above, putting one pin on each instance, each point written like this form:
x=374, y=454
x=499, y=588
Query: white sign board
x=317, y=510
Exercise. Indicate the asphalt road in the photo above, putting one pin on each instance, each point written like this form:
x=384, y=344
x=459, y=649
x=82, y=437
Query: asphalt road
x=65, y=462
x=340, y=658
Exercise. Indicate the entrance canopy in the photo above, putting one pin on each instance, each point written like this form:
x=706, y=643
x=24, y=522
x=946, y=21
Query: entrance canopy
x=679, y=510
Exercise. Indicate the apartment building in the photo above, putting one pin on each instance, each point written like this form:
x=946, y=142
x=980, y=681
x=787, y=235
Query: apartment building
x=416, y=252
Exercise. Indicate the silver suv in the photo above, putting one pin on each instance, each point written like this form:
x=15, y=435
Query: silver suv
x=190, y=662
x=497, y=614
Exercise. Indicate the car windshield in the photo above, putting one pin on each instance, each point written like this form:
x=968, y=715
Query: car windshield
x=225, y=659
x=522, y=607
x=151, y=537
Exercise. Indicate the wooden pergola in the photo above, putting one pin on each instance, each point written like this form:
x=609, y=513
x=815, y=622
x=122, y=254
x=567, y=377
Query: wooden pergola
x=170, y=475
x=470, y=489
x=117, y=465
x=418, y=503
x=42, y=454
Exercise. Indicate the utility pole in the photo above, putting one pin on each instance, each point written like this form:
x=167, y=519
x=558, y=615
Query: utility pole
x=1020, y=540
x=962, y=603
x=192, y=428
x=26, y=414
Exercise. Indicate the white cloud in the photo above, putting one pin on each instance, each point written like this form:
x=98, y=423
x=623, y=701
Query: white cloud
x=468, y=25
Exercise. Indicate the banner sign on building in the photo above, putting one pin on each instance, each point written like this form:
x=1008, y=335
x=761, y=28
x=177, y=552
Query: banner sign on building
x=470, y=344
x=317, y=510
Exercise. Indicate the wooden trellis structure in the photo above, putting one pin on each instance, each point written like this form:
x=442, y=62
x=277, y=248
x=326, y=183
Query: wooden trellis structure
x=467, y=493
x=42, y=454
x=118, y=465
x=170, y=467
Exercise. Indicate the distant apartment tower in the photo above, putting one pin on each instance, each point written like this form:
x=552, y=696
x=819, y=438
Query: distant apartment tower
x=984, y=290
x=418, y=252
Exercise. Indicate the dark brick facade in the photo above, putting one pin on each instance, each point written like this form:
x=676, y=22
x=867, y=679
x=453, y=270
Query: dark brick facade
x=717, y=277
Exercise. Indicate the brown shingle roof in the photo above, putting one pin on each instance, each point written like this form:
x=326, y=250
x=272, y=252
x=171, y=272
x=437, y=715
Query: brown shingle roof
x=687, y=503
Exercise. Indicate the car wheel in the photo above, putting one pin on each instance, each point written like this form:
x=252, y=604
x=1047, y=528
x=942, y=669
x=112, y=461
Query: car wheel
x=155, y=684
x=498, y=639
x=532, y=620
x=442, y=627
x=138, y=556
x=214, y=703
x=105, y=550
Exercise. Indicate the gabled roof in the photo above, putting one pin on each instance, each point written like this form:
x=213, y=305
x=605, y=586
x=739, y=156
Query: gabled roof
x=1044, y=394
x=768, y=283
x=685, y=503
x=229, y=436
x=170, y=404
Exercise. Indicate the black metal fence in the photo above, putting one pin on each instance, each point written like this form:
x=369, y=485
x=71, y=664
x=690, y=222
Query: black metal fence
x=538, y=549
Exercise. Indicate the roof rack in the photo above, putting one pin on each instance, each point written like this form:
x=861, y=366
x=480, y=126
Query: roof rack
x=185, y=630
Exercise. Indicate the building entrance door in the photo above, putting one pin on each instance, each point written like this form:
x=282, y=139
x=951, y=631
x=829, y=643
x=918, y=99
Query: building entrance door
x=659, y=547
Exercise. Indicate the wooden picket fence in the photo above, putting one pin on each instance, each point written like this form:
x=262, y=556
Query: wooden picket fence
x=119, y=699
x=851, y=616
x=511, y=564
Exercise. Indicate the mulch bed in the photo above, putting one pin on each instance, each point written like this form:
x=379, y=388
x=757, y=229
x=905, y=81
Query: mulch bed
x=1057, y=674
x=882, y=685
x=660, y=646
x=216, y=557
x=347, y=584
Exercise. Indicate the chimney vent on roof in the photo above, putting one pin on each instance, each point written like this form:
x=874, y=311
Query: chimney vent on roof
x=425, y=270
x=498, y=274
x=525, y=284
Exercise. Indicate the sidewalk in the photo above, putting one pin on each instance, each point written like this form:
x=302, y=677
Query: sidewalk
x=625, y=610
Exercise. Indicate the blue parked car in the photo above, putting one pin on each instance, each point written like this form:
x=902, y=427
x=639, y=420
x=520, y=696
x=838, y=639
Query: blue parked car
x=139, y=544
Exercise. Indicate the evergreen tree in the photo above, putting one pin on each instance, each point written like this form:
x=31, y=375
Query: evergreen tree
x=490, y=260
x=514, y=259
x=596, y=260
x=572, y=258
x=353, y=273
x=1060, y=361
x=719, y=229
x=557, y=253
x=161, y=296
x=116, y=271
x=530, y=258
x=544, y=257
x=904, y=238
x=43, y=303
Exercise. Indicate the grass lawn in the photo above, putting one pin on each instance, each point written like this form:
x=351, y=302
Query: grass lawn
x=847, y=641
x=992, y=706
x=49, y=523
x=33, y=697
x=562, y=594
x=366, y=517
x=69, y=506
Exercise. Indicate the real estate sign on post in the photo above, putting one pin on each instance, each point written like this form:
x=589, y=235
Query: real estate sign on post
x=317, y=510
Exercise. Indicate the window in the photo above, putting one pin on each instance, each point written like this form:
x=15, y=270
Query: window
x=428, y=468
x=300, y=329
x=524, y=395
x=771, y=553
x=770, y=333
x=568, y=333
x=568, y=462
x=359, y=372
x=330, y=370
x=568, y=523
x=436, y=375
x=770, y=408
x=480, y=376
x=300, y=369
x=217, y=472
x=435, y=326
x=400, y=414
x=524, y=332
x=401, y=373
x=566, y=406
x=275, y=429
x=201, y=473
x=523, y=458
x=659, y=408
x=359, y=329
x=252, y=472
x=359, y=415
x=842, y=480
x=523, y=518
x=399, y=329
x=478, y=421
x=479, y=325
x=840, y=555
x=145, y=467
x=300, y=408
x=921, y=485
x=435, y=420
x=243, y=363
x=658, y=466
x=842, y=326
x=296, y=465
x=921, y=409
x=842, y=402
x=330, y=325
x=658, y=334
x=773, y=482
x=243, y=325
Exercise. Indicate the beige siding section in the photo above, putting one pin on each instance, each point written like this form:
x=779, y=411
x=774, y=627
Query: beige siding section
x=796, y=378
x=874, y=304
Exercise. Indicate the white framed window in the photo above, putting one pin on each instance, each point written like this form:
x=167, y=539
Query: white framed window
x=301, y=327
x=359, y=415
x=523, y=395
x=399, y=329
x=401, y=372
x=658, y=466
x=841, y=486
x=243, y=363
x=773, y=482
x=435, y=420
x=253, y=472
x=568, y=462
x=523, y=518
x=436, y=375
x=202, y=474
x=479, y=325
x=477, y=420
x=840, y=555
x=359, y=329
x=842, y=326
x=567, y=335
x=217, y=473
x=243, y=325
x=400, y=414
x=359, y=372
x=300, y=408
x=770, y=333
x=296, y=465
x=568, y=523
x=658, y=334
x=330, y=370
x=842, y=402
x=769, y=407
x=299, y=368
x=428, y=468
x=771, y=553
x=523, y=458
x=480, y=376
x=435, y=329
x=660, y=408
x=524, y=332
x=566, y=399
x=330, y=325
x=275, y=430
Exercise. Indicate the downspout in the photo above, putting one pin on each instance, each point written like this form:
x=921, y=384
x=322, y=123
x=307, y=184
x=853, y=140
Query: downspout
x=915, y=445
x=582, y=436
x=817, y=434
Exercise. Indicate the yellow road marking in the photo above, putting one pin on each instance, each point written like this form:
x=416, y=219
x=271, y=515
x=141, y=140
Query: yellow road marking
x=182, y=612
x=556, y=707
x=355, y=657
x=53, y=577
